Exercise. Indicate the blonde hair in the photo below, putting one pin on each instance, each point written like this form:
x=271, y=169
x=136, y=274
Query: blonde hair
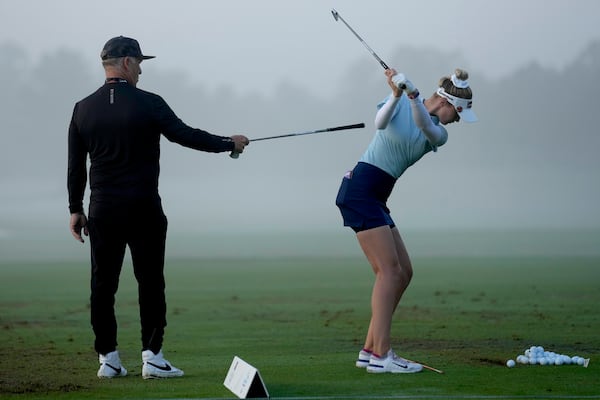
x=446, y=84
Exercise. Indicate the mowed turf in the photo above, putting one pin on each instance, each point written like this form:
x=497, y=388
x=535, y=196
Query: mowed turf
x=302, y=321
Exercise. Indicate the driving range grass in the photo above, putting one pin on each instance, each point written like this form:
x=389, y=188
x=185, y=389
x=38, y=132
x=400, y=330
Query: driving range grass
x=302, y=321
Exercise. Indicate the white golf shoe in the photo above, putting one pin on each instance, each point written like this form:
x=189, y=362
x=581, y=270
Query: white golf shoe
x=364, y=357
x=110, y=365
x=156, y=367
x=392, y=363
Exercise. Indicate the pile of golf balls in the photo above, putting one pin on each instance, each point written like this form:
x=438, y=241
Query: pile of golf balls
x=536, y=355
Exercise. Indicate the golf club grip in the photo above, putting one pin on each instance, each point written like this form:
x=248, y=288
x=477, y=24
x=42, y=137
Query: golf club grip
x=341, y=128
x=234, y=155
x=432, y=369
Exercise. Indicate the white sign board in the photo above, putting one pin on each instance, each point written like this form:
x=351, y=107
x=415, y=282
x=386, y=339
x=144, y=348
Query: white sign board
x=244, y=380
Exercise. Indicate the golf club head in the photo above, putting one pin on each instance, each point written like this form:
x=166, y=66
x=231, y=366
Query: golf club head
x=335, y=14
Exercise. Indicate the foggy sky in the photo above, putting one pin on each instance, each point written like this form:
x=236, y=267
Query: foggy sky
x=264, y=68
x=258, y=44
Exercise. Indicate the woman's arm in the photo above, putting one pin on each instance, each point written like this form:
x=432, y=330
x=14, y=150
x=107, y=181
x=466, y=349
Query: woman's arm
x=384, y=115
x=435, y=134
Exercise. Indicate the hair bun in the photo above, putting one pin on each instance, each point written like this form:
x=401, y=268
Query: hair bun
x=461, y=74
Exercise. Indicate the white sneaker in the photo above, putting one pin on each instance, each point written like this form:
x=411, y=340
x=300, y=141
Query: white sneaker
x=110, y=365
x=392, y=363
x=155, y=366
x=363, y=358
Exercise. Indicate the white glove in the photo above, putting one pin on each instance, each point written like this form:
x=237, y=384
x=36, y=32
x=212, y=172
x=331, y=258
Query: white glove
x=402, y=83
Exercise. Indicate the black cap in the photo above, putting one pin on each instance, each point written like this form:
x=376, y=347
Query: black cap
x=122, y=46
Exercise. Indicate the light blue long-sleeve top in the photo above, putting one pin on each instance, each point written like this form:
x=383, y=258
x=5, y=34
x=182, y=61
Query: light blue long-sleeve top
x=401, y=143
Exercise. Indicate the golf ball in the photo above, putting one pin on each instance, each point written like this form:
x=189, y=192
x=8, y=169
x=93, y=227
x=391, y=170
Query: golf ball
x=510, y=363
x=558, y=361
x=521, y=359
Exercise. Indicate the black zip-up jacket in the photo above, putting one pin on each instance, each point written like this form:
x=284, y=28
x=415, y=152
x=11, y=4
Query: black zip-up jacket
x=119, y=126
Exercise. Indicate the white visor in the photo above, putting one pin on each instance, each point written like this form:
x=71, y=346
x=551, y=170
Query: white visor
x=462, y=106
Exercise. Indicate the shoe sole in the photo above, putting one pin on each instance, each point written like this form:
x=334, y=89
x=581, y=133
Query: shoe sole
x=150, y=375
x=160, y=377
x=383, y=371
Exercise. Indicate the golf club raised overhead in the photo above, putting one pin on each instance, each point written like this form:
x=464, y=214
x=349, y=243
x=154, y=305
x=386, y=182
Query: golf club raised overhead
x=338, y=17
x=336, y=128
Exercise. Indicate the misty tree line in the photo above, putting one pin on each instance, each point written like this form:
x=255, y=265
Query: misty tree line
x=534, y=116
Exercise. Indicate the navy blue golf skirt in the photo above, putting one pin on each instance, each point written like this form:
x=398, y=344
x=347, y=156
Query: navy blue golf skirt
x=363, y=195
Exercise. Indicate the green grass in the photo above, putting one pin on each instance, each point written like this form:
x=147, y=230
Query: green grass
x=302, y=321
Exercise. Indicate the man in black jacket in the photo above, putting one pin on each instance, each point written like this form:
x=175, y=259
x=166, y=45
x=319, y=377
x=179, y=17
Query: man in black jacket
x=119, y=127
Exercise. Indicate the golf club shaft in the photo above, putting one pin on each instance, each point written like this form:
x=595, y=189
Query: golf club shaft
x=439, y=371
x=336, y=128
x=337, y=16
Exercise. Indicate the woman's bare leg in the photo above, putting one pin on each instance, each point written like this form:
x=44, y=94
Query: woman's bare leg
x=389, y=259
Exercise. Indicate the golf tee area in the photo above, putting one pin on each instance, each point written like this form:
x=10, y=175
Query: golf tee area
x=301, y=322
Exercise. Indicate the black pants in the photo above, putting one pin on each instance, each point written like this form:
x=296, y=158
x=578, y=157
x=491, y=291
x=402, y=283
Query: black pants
x=142, y=227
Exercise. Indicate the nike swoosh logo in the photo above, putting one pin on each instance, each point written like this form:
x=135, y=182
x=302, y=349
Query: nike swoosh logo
x=117, y=370
x=165, y=367
x=400, y=365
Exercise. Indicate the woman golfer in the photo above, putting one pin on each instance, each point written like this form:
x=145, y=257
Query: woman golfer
x=407, y=128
